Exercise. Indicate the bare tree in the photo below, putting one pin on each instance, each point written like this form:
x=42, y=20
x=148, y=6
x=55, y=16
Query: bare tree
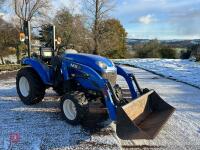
x=97, y=10
x=27, y=9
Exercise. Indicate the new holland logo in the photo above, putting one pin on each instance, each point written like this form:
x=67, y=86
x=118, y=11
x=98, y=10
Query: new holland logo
x=75, y=66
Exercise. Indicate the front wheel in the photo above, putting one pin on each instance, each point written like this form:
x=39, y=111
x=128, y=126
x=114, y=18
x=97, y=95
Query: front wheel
x=30, y=88
x=74, y=107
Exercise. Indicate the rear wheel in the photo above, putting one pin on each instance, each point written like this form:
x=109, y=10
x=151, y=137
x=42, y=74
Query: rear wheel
x=30, y=87
x=74, y=107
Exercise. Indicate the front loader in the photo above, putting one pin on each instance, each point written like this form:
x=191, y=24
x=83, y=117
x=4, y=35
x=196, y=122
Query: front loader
x=84, y=79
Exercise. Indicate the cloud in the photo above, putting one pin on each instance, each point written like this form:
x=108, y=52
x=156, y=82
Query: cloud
x=73, y=5
x=147, y=19
x=160, y=18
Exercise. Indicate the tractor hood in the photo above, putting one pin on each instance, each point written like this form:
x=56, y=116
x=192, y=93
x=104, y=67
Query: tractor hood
x=92, y=61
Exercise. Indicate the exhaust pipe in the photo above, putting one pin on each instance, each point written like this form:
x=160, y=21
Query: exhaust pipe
x=143, y=118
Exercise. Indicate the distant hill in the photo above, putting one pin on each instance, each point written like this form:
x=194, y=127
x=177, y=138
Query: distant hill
x=173, y=43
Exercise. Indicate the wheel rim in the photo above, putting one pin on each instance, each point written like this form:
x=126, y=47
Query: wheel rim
x=24, y=86
x=69, y=109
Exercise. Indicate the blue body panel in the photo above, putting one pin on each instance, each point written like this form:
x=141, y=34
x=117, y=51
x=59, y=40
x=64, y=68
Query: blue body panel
x=90, y=60
x=80, y=70
x=110, y=105
x=43, y=70
x=84, y=69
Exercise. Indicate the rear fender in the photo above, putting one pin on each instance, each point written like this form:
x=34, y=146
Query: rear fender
x=42, y=70
x=127, y=76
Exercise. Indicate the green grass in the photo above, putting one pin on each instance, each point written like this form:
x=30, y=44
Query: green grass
x=9, y=67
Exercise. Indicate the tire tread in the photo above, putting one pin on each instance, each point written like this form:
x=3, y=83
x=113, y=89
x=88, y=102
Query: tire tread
x=36, y=86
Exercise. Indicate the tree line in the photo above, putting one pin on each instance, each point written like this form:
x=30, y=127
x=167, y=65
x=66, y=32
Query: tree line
x=154, y=49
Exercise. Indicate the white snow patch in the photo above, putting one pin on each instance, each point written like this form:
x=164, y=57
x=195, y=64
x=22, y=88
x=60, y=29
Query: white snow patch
x=180, y=70
x=10, y=58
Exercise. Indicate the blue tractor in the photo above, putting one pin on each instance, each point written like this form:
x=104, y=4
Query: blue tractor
x=81, y=79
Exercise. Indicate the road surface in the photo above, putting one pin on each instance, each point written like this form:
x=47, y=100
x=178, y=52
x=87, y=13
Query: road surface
x=41, y=126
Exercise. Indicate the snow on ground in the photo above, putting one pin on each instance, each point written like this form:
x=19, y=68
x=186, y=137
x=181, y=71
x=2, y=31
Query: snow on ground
x=41, y=126
x=10, y=58
x=180, y=70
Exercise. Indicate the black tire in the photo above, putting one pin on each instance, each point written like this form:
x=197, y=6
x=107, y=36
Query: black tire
x=81, y=106
x=36, y=87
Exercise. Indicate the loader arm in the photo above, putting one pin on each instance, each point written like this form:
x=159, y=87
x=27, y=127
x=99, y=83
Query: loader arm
x=128, y=77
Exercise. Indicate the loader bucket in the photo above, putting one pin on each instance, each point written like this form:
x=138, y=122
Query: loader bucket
x=143, y=118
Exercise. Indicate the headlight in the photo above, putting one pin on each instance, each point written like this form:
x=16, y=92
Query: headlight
x=102, y=65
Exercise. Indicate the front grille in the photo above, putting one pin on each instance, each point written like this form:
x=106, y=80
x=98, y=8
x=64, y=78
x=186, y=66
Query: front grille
x=111, y=76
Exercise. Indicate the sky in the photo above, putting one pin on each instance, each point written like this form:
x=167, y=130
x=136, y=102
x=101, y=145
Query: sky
x=162, y=19
x=150, y=19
